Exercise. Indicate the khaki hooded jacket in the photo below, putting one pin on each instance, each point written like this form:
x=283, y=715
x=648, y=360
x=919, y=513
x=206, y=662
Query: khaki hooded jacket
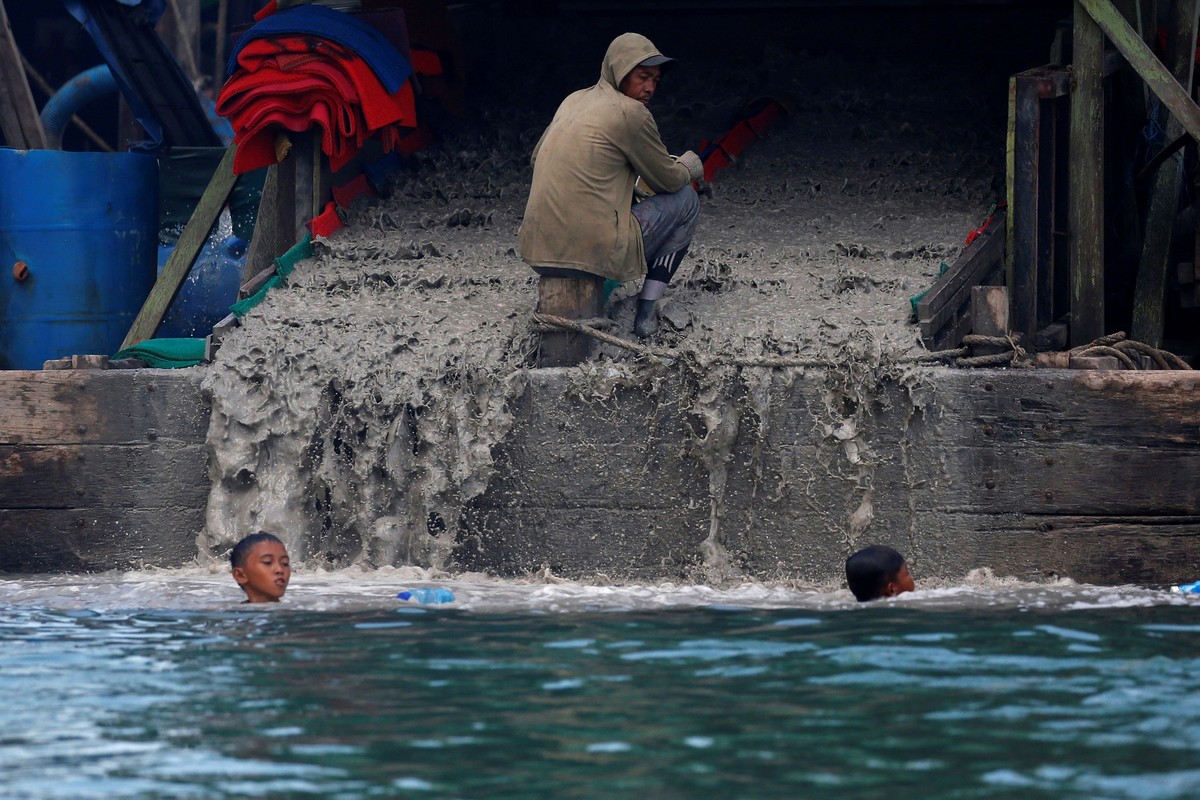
x=584, y=168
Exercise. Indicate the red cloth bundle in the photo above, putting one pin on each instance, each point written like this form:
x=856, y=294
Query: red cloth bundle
x=297, y=82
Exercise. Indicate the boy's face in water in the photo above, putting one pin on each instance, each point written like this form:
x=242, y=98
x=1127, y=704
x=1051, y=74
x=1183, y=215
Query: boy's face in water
x=900, y=583
x=266, y=573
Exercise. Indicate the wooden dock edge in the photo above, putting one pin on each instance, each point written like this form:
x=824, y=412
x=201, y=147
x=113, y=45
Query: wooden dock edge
x=1033, y=474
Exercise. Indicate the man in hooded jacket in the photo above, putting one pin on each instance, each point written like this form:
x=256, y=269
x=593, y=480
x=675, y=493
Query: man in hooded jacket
x=581, y=216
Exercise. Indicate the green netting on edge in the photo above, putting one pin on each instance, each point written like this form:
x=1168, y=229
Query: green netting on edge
x=916, y=298
x=284, y=266
x=165, y=353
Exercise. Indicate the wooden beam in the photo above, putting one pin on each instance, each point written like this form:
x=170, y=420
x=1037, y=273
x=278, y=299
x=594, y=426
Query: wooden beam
x=1165, y=87
x=313, y=184
x=1150, y=290
x=191, y=241
x=1030, y=204
x=265, y=244
x=1087, y=178
x=19, y=120
x=989, y=316
x=221, y=36
x=943, y=303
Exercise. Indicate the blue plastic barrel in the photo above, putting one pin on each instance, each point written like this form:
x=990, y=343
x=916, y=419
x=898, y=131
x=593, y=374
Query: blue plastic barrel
x=78, y=241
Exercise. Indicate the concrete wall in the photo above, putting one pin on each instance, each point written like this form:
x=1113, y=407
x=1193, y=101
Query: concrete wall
x=775, y=474
x=1034, y=473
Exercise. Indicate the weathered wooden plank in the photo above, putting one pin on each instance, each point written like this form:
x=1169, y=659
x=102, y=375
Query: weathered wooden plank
x=1122, y=410
x=1151, y=286
x=989, y=316
x=1098, y=550
x=300, y=161
x=71, y=407
x=1087, y=180
x=1027, y=203
x=950, y=292
x=19, y=120
x=1063, y=478
x=1164, y=85
x=104, y=476
x=313, y=182
x=266, y=244
x=191, y=241
x=97, y=539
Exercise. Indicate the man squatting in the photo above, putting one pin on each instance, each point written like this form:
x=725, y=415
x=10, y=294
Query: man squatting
x=582, y=219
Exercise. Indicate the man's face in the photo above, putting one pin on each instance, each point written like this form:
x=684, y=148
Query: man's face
x=641, y=83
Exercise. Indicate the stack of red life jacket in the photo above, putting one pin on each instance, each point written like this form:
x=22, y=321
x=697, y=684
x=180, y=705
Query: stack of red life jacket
x=309, y=71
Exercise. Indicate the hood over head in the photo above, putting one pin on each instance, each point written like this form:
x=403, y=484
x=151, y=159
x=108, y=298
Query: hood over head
x=626, y=52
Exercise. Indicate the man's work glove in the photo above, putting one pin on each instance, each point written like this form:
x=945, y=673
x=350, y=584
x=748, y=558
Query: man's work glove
x=693, y=163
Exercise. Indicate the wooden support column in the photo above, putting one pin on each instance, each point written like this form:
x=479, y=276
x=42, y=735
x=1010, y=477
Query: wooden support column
x=1087, y=180
x=19, y=120
x=570, y=298
x=191, y=241
x=295, y=191
x=312, y=185
x=1032, y=196
x=1150, y=291
x=270, y=239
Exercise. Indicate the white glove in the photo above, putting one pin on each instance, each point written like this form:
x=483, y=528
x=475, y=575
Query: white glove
x=693, y=163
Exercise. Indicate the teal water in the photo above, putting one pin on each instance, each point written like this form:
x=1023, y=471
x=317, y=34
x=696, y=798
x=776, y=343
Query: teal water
x=598, y=693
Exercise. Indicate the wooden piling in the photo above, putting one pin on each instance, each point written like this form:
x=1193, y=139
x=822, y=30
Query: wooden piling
x=1087, y=180
x=570, y=298
x=1034, y=195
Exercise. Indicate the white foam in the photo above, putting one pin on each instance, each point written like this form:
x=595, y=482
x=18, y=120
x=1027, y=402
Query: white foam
x=211, y=588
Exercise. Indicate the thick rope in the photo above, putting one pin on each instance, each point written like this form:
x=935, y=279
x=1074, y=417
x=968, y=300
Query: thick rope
x=1109, y=351
x=1113, y=344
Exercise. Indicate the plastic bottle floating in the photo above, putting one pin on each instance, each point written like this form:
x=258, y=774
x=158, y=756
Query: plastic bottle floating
x=427, y=596
x=1187, y=588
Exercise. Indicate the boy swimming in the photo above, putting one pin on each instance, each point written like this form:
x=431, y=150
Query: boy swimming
x=261, y=567
x=878, y=571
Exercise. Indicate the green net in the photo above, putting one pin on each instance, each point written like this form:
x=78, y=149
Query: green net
x=165, y=353
x=284, y=266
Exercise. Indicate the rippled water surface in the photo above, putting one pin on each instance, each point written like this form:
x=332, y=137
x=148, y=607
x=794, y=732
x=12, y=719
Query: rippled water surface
x=566, y=691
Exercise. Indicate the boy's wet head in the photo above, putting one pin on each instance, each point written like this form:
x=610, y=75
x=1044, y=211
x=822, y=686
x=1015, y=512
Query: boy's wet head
x=261, y=567
x=878, y=571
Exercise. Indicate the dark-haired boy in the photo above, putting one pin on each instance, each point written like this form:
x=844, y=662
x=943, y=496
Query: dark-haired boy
x=261, y=567
x=878, y=571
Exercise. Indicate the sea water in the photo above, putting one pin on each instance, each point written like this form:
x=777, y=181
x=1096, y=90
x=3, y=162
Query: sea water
x=161, y=684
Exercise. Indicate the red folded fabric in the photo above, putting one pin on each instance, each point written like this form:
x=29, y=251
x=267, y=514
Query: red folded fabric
x=351, y=190
x=302, y=82
x=327, y=223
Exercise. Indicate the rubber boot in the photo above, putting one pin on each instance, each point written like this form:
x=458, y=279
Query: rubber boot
x=645, y=322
